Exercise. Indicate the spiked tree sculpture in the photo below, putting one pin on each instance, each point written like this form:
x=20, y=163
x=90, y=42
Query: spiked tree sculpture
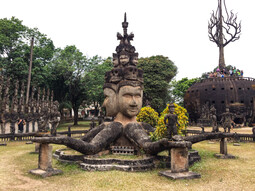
x=223, y=29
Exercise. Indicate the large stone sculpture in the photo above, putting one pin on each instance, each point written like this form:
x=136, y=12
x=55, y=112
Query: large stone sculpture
x=124, y=91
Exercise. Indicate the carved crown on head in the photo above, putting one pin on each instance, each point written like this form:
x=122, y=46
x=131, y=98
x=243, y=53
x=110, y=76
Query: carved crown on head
x=125, y=60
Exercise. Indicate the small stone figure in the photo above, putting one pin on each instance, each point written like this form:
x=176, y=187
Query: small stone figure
x=205, y=111
x=226, y=120
x=172, y=120
x=213, y=118
x=54, y=118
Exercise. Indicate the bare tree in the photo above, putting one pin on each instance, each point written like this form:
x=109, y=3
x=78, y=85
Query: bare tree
x=223, y=29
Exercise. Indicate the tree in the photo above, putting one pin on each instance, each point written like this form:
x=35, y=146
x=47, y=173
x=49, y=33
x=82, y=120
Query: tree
x=15, y=51
x=179, y=88
x=222, y=30
x=158, y=72
x=95, y=81
x=68, y=68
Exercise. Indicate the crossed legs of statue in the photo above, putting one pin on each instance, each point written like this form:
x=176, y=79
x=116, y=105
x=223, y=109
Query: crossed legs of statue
x=102, y=139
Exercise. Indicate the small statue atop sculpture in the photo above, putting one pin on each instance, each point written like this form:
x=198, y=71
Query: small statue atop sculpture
x=170, y=120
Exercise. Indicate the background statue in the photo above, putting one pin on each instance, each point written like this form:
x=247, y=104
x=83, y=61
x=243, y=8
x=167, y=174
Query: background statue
x=213, y=118
x=226, y=120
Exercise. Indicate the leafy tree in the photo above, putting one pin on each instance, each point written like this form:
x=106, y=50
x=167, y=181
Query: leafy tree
x=68, y=68
x=178, y=88
x=15, y=51
x=158, y=72
x=95, y=81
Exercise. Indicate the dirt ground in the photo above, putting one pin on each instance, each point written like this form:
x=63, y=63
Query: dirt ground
x=244, y=130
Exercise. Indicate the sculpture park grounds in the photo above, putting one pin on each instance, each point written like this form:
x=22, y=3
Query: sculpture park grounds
x=17, y=158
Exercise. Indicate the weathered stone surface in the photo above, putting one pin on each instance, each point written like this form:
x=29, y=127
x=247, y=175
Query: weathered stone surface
x=45, y=173
x=45, y=157
x=179, y=160
x=223, y=146
x=180, y=175
x=92, y=164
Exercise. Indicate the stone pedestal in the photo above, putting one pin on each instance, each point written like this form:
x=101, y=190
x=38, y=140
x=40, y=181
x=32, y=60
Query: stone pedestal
x=223, y=150
x=45, y=162
x=179, y=165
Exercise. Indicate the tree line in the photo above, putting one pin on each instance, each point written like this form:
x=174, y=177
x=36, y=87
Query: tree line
x=75, y=78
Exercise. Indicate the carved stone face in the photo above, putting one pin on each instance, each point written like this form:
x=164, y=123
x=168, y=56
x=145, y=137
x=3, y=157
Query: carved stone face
x=135, y=60
x=171, y=109
x=130, y=100
x=124, y=59
x=110, y=102
x=115, y=61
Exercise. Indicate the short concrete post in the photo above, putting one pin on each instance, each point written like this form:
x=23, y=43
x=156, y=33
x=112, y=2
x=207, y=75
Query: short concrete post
x=223, y=146
x=179, y=160
x=45, y=162
x=180, y=165
x=45, y=157
x=223, y=150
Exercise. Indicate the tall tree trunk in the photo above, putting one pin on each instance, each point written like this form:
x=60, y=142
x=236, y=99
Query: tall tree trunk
x=30, y=69
x=221, y=58
x=221, y=44
x=75, y=120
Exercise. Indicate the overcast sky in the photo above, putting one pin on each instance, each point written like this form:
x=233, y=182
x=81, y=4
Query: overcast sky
x=177, y=29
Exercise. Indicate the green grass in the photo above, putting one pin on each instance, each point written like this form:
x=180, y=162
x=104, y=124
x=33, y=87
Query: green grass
x=82, y=125
x=17, y=158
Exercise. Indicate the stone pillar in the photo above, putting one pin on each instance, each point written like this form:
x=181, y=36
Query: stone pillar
x=180, y=165
x=223, y=150
x=45, y=162
x=45, y=157
x=179, y=160
x=223, y=146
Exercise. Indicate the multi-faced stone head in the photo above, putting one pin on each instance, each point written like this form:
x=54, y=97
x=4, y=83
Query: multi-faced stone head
x=130, y=100
x=115, y=60
x=124, y=58
x=134, y=59
x=110, y=101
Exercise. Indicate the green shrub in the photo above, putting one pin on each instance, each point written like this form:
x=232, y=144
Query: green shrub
x=148, y=115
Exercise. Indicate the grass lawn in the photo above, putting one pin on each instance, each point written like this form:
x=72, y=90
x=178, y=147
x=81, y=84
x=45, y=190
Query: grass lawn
x=16, y=159
x=82, y=125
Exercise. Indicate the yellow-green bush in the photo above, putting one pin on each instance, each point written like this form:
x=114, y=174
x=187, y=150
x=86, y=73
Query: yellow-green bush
x=148, y=115
x=161, y=130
